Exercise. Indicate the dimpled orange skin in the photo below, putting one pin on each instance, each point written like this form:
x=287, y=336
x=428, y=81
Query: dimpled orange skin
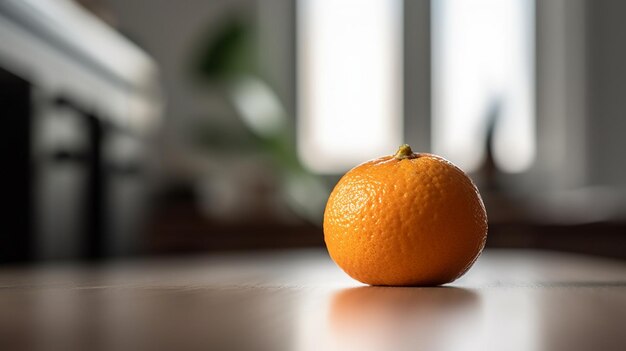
x=405, y=220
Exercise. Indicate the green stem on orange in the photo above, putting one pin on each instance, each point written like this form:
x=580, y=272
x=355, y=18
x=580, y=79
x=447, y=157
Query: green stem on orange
x=404, y=151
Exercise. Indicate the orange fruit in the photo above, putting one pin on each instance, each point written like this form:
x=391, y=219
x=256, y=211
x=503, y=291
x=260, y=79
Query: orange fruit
x=410, y=219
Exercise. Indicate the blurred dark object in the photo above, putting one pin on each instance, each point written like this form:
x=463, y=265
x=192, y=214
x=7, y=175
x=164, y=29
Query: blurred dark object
x=522, y=221
x=178, y=227
x=15, y=148
x=602, y=238
x=78, y=120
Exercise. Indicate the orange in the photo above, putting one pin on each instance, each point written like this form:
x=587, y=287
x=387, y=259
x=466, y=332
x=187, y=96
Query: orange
x=411, y=219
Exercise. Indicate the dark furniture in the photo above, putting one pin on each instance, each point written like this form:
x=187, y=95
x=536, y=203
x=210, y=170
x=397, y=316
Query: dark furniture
x=79, y=105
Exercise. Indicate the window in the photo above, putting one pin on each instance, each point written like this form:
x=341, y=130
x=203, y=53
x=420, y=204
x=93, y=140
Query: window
x=349, y=81
x=482, y=68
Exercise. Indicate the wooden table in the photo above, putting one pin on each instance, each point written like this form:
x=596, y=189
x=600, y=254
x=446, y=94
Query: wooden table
x=299, y=300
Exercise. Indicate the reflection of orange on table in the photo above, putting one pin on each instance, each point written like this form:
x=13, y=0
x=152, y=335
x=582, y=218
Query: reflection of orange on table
x=372, y=317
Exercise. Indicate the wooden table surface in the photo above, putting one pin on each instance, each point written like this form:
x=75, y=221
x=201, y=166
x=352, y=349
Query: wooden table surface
x=299, y=300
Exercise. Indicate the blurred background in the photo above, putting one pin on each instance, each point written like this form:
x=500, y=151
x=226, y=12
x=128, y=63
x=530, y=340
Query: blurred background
x=155, y=127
